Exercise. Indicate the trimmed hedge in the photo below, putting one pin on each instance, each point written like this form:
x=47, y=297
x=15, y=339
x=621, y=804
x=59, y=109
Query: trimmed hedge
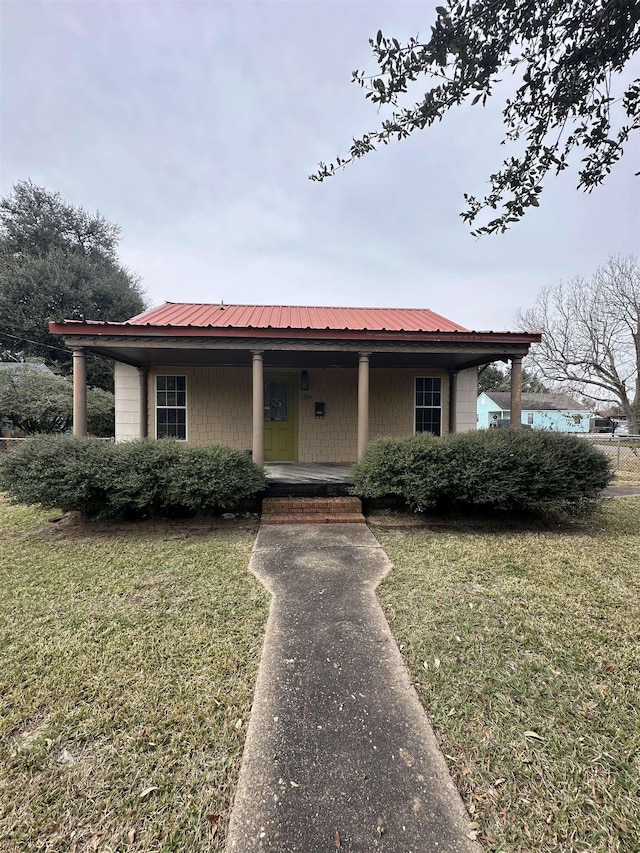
x=135, y=479
x=520, y=471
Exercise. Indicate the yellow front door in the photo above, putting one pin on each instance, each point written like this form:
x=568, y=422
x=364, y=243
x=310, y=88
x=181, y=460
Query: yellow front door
x=280, y=417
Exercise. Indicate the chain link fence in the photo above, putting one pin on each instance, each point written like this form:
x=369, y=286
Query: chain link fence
x=624, y=452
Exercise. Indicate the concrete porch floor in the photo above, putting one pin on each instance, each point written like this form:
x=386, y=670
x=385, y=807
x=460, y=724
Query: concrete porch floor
x=308, y=472
x=309, y=479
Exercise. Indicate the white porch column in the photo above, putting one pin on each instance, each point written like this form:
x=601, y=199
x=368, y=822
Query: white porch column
x=363, y=402
x=79, y=392
x=516, y=392
x=453, y=400
x=258, y=407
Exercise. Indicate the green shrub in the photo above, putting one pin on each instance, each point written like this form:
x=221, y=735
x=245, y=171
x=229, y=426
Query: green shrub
x=57, y=471
x=528, y=471
x=399, y=467
x=510, y=470
x=101, y=416
x=135, y=479
x=37, y=402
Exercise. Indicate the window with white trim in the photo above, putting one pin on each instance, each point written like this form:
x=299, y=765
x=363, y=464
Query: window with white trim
x=171, y=407
x=530, y=418
x=428, y=404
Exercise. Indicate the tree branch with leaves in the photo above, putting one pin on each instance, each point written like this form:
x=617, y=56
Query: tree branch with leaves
x=566, y=56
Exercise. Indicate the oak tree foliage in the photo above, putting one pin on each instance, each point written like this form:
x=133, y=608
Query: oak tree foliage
x=35, y=401
x=493, y=378
x=571, y=99
x=57, y=261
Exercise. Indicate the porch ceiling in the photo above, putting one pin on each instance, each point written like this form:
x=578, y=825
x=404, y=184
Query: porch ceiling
x=300, y=355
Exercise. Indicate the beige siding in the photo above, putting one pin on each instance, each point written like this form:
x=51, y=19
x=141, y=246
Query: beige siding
x=218, y=404
x=390, y=402
x=127, y=394
x=333, y=438
x=466, y=408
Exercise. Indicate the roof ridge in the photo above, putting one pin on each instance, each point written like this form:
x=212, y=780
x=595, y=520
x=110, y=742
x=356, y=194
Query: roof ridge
x=278, y=305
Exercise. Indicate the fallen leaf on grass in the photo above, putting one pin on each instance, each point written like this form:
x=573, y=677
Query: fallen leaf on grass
x=148, y=791
x=131, y=835
x=67, y=758
x=587, y=708
x=533, y=736
x=213, y=820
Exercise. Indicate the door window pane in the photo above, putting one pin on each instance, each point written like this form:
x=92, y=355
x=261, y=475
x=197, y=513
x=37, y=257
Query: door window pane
x=275, y=401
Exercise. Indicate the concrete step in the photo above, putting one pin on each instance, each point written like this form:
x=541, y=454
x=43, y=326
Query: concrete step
x=338, y=510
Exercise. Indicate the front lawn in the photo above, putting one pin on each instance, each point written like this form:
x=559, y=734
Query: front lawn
x=128, y=656
x=128, y=660
x=524, y=645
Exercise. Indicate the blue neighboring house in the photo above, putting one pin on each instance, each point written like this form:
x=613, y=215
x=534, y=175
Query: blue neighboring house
x=556, y=412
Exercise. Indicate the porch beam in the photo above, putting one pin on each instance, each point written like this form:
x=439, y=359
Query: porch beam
x=79, y=392
x=110, y=347
x=516, y=392
x=453, y=400
x=363, y=403
x=258, y=407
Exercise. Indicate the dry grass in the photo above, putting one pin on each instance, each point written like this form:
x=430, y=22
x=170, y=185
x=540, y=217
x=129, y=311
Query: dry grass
x=625, y=457
x=524, y=646
x=627, y=478
x=129, y=657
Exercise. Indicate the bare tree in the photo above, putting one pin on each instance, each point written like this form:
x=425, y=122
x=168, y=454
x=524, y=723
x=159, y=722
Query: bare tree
x=591, y=339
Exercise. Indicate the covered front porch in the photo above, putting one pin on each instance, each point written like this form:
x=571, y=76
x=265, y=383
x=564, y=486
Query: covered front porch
x=256, y=379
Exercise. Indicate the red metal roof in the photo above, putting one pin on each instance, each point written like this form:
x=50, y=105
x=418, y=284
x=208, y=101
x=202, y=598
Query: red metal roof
x=202, y=316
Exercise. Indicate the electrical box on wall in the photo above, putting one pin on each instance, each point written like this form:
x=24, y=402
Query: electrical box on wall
x=319, y=410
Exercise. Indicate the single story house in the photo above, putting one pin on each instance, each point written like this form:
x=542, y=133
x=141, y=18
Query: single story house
x=539, y=411
x=291, y=383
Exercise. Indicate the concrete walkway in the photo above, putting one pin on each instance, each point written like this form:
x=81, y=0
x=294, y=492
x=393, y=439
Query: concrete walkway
x=339, y=752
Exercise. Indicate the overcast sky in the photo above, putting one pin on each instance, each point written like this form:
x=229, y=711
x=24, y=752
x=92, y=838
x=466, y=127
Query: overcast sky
x=194, y=126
